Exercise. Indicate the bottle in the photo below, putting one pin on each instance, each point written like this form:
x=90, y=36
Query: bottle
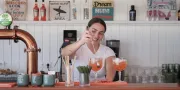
x=74, y=11
x=43, y=11
x=178, y=76
x=36, y=11
x=86, y=10
x=179, y=15
x=1, y=11
x=157, y=14
x=132, y=14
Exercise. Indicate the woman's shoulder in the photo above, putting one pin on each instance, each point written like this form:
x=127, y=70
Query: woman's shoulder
x=105, y=47
x=107, y=51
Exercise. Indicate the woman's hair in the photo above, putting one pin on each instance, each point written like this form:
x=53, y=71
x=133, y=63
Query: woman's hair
x=97, y=20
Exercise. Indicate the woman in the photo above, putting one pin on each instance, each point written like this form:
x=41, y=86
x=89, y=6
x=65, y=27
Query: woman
x=89, y=46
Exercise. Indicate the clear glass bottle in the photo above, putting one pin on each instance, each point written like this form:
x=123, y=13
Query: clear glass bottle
x=157, y=13
x=74, y=11
x=152, y=13
x=86, y=10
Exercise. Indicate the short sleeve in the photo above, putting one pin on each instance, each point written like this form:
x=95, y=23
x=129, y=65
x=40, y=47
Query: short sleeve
x=109, y=52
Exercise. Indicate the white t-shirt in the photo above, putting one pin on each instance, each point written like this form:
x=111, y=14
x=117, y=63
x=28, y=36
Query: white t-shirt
x=84, y=53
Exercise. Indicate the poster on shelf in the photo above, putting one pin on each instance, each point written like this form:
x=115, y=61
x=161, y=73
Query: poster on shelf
x=59, y=10
x=16, y=8
x=103, y=9
x=163, y=9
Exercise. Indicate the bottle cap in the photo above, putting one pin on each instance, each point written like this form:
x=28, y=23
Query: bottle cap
x=132, y=6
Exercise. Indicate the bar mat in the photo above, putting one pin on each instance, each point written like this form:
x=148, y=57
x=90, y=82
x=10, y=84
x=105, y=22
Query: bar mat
x=100, y=83
x=107, y=83
x=7, y=84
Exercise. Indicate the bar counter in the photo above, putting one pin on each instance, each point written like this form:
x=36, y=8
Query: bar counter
x=155, y=86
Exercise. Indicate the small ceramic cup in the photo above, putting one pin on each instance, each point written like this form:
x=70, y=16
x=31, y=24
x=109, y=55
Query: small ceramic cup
x=48, y=80
x=36, y=79
x=22, y=80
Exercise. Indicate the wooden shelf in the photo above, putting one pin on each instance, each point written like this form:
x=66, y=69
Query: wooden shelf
x=85, y=22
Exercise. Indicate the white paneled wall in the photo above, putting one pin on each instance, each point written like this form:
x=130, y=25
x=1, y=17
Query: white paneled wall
x=142, y=44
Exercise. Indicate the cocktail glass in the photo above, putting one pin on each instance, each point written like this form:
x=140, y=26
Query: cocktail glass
x=96, y=64
x=119, y=64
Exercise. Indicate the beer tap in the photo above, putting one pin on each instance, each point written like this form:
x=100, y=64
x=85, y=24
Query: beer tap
x=15, y=38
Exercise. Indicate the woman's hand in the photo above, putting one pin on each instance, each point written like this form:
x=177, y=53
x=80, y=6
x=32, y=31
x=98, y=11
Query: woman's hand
x=85, y=37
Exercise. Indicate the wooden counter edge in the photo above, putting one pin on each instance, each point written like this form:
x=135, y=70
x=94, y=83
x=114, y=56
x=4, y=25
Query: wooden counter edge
x=154, y=86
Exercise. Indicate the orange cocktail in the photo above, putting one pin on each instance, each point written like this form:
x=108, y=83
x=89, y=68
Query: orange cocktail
x=96, y=64
x=119, y=65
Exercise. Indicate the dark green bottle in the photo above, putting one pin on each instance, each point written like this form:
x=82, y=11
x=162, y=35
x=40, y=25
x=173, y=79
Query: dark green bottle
x=132, y=14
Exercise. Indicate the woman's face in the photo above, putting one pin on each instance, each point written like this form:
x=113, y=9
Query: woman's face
x=97, y=31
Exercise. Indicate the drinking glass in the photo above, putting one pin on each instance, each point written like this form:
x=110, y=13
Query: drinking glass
x=96, y=64
x=119, y=65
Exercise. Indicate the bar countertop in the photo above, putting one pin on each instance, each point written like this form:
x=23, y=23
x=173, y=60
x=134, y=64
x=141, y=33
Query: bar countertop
x=155, y=86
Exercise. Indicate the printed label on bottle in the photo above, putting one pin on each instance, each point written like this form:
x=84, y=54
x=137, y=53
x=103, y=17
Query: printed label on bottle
x=36, y=13
x=43, y=12
x=86, y=13
x=74, y=13
x=132, y=16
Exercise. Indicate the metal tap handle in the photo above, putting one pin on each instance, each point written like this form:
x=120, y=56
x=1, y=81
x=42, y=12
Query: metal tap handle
x=32, y=50
x=39, y=50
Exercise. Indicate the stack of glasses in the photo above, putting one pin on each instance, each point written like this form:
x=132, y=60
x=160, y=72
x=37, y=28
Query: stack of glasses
x=170, y=72
x=167, y=73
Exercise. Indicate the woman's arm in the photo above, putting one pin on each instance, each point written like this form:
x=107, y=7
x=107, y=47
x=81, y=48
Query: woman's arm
x=72, y=48
x=110, y=71
x=69, y=50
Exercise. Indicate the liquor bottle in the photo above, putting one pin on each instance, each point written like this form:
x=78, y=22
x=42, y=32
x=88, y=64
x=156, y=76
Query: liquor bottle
x=43, y=11
x=86, y=10
x=74, y=11
x=36, y=11
x=132, y=13
x=179, y=15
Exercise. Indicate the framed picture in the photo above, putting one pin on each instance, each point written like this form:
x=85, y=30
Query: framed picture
x=164, y=9
x=103, y=9
x=59, y=10
x=16, y=8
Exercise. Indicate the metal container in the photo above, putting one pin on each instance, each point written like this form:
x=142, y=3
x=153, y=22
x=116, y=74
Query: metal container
x=84, y=79
x=23, y=80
